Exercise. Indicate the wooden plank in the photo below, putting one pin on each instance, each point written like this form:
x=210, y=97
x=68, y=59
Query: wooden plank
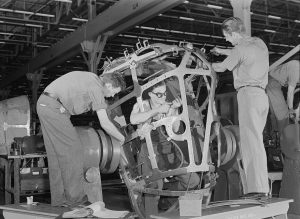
x=25, y=211
x=274, y=207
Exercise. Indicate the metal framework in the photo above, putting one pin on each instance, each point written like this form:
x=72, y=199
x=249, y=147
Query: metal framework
x=191, y=66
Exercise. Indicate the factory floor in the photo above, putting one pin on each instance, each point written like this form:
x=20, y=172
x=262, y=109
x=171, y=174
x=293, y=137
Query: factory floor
x=115, y=198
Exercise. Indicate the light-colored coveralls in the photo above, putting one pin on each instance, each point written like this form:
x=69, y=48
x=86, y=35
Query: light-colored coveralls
x=77, y=92
x=249, y=61
x=287, y=74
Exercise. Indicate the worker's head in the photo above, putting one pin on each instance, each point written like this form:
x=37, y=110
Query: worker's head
x=113, y=83
x=158, y=92
x=233, y=30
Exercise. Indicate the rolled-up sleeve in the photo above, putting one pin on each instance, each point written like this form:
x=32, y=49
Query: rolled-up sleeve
x=97, y=99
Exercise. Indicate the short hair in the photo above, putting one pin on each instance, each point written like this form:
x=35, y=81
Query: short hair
x=145, y=94
x=115, y=78
x=233, y=24
x=159, y=84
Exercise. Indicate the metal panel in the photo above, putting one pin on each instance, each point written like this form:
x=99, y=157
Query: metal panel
x=115, y=19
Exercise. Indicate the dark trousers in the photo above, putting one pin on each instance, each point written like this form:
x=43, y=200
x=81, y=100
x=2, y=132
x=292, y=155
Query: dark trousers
x=64, y=152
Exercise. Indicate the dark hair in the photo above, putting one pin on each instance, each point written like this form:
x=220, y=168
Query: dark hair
x=116, y=80
x=161, y=83
x=145, y=94
x=233, y=24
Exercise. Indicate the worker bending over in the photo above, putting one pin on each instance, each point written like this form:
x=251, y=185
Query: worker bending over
x=72, y=94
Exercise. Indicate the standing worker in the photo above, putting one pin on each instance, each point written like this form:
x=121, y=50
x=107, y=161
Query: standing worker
x=249, y=62
x=285, y=75
x=72, y=94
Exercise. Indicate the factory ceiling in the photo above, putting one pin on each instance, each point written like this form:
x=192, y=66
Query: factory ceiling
x=47, y=33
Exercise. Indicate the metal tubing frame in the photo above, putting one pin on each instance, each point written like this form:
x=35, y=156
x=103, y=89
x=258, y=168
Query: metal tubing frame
x=130, y=62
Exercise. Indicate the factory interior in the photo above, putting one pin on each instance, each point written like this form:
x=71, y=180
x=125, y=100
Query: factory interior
x=202, y=166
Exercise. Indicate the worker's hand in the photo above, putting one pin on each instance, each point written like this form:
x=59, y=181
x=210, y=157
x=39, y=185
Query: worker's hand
x=163, y=108
x=122, y=140
x=216, y=51
x=292, y=114
x=176, y=103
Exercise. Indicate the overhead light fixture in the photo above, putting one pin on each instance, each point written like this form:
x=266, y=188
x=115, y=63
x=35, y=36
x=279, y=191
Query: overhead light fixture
x=14, y=34
x=186, y=2
x=187, y=18
x=176, y=31
x=1, y=21
x=65, y=1
x=173, y=41
x=66, y=29
x=26, y=12
x=277, y=44
x=297, y=21
x=270, y=31
x=33, y=25
x=42, y=46
x=274, y=17
x=190, y=33
x=218, y=37
x=159, y=39
x=1, y=42
x=127, y=35
x=299, y=35
x=145, y=38
x=205, y=35
x=162, y=30
x=213, y=22
x=214, y=6
x=8, y=34
x=147, y=28
x=274, y=44
x=79, y=19
x=126, y=45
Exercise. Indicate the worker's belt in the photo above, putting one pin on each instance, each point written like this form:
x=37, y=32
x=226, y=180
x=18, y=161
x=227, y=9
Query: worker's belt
x=52, y=96
x=250, y=86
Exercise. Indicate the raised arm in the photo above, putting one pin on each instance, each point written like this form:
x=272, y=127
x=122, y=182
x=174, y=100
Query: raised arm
x=137, y=117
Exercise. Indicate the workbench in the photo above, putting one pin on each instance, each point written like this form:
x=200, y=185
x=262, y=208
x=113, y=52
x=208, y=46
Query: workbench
x=12, y=170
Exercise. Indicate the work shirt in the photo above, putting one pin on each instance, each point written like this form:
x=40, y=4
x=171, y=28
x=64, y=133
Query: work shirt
x=79, y=92
x=287, y=73
x=249, y=61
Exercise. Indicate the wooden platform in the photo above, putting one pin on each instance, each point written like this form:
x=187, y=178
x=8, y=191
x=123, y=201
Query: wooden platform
x=275, y=207
x=24, y=211
x=40, y=211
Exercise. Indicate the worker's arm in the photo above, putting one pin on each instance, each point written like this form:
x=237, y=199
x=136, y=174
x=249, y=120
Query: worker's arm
x=234, y=56
x=108, y=126
x=173, y=111
x=137, y=117
x=219, y=67
x=219, y=51
x=290, y=97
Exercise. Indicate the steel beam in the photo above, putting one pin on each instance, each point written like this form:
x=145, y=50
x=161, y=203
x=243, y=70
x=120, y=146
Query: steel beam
x=119, y=17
